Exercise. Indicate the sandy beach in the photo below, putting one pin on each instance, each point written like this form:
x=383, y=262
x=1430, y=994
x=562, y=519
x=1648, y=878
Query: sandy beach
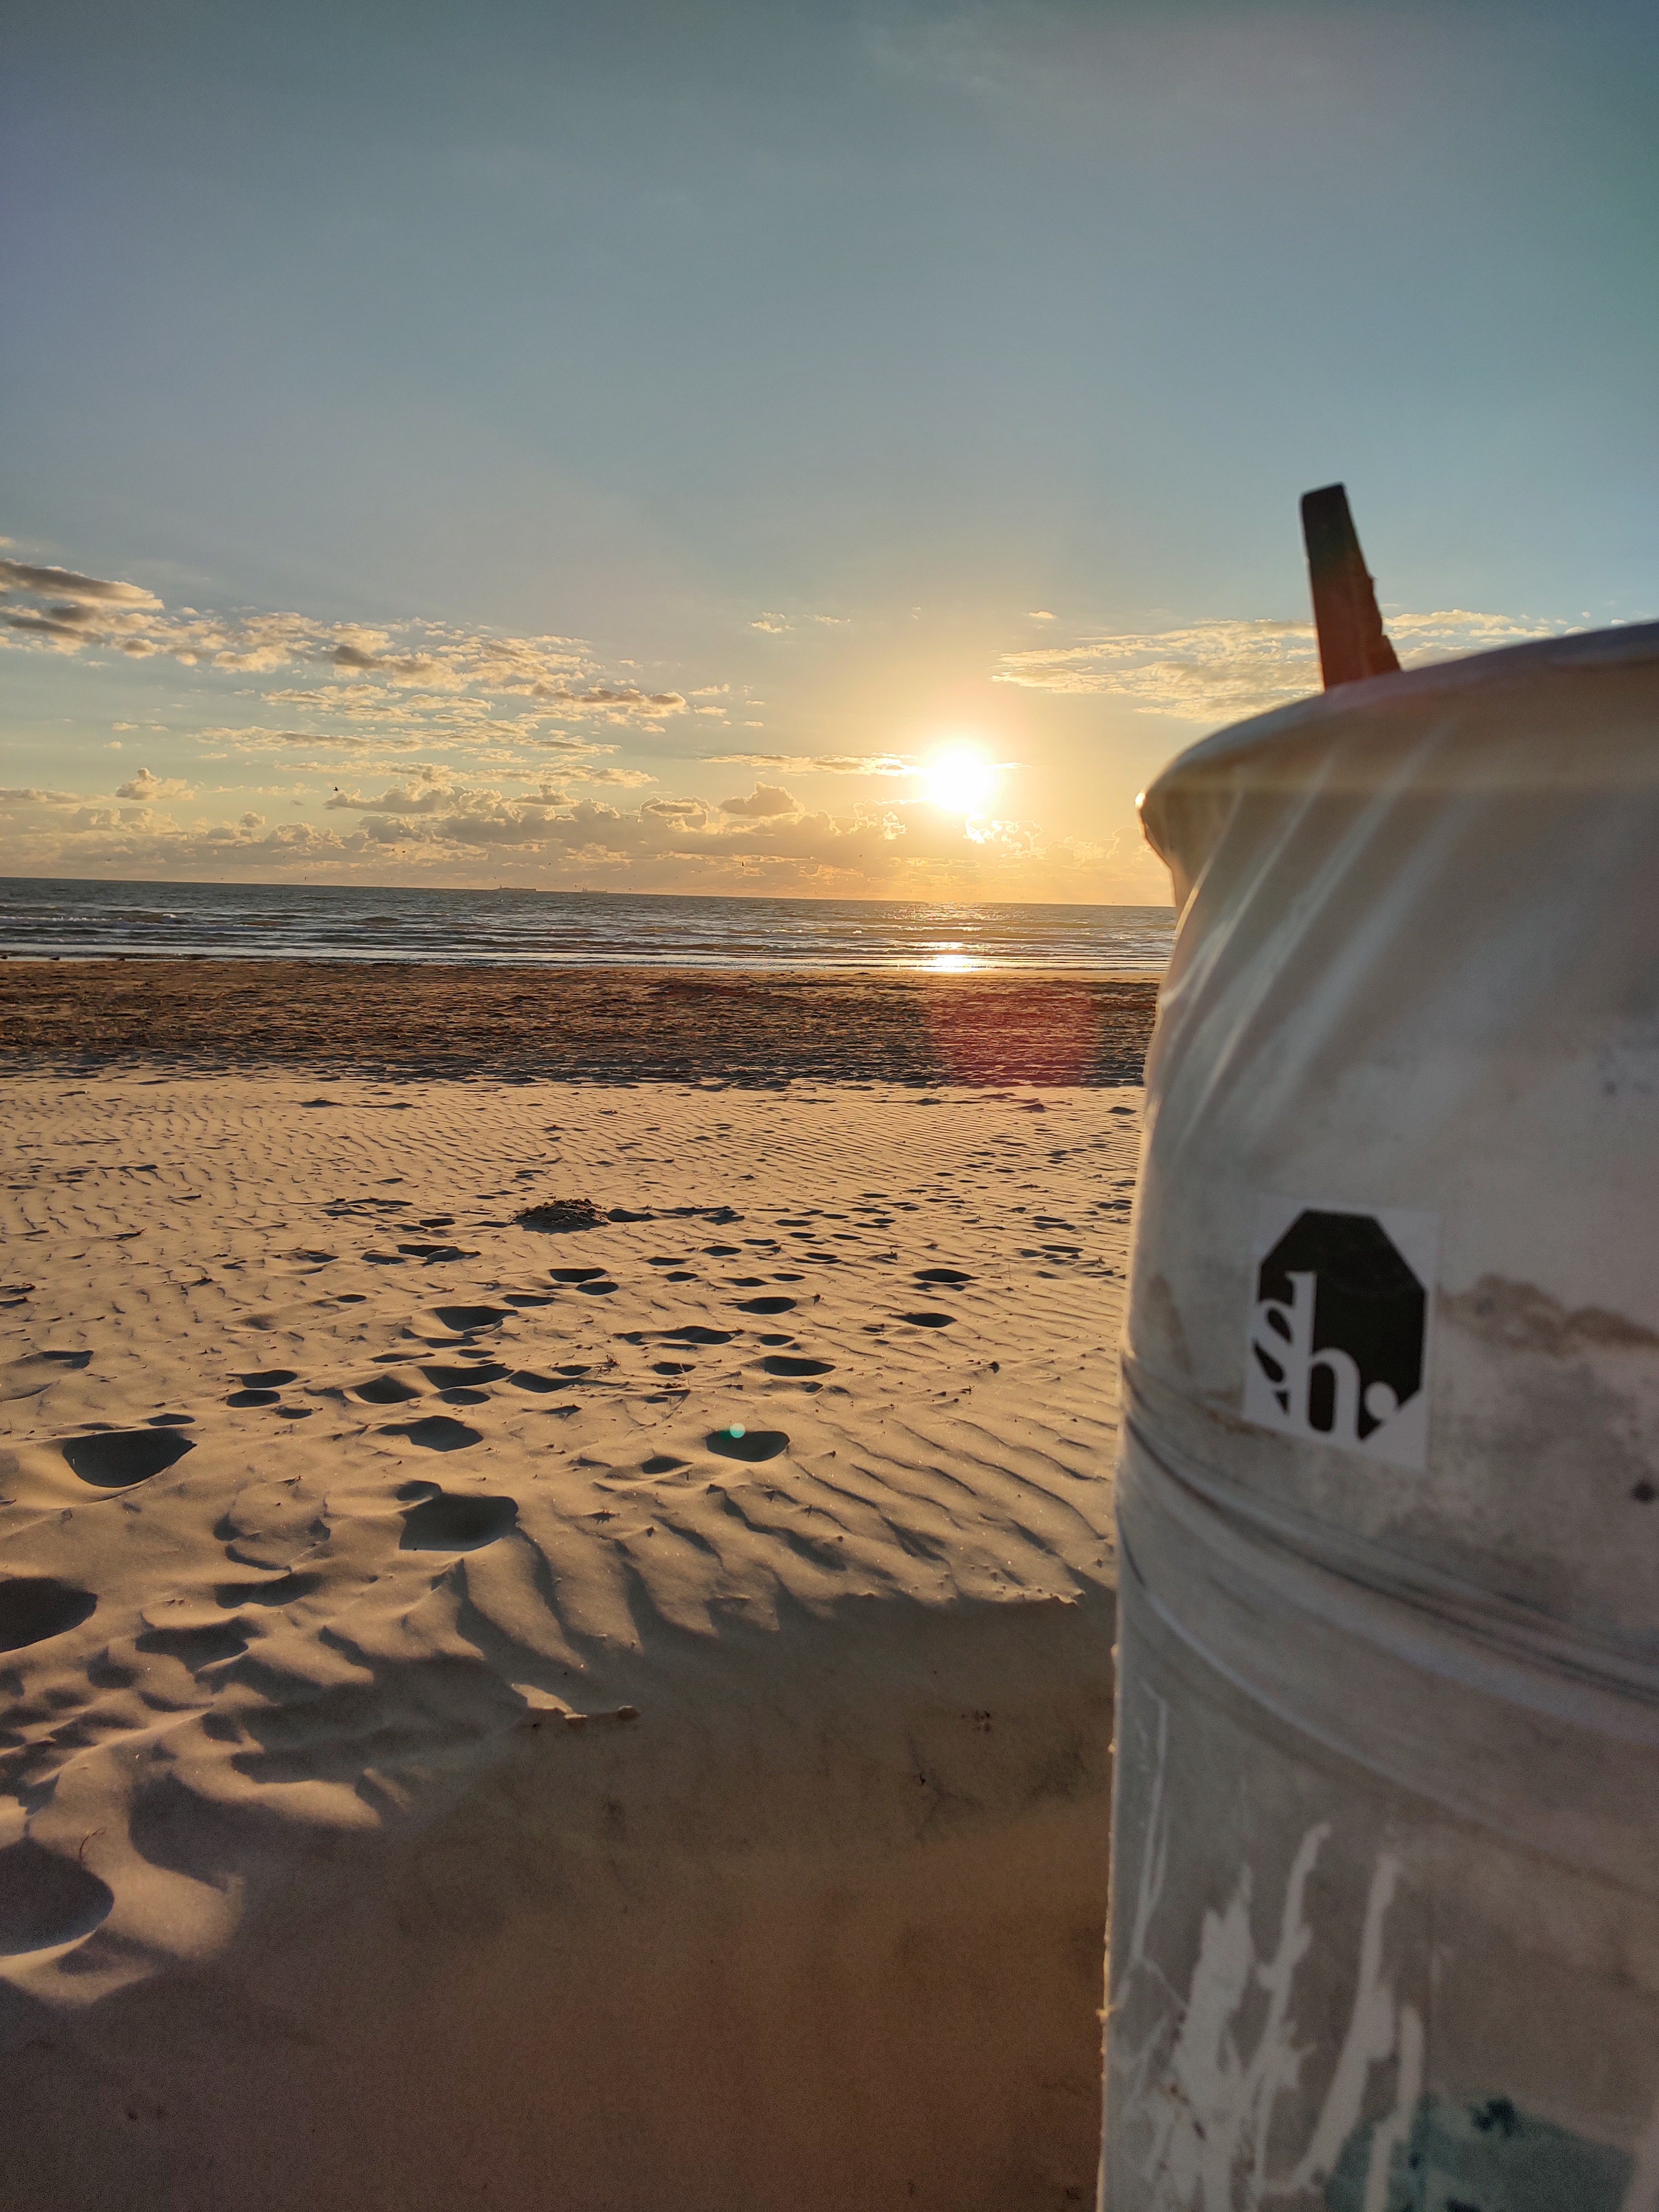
x=615, y=1024
x=608, y=1713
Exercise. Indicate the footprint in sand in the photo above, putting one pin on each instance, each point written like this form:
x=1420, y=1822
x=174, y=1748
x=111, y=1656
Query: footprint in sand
x=37, y=1370
x=438, y=1521
x=46, y=1900
x=661, y=1463
x=525, y=1378
x=750, y=1445
x=35, y=1607
x=272, y=1524
x=195, y=1648
x=263, y=1388
x=768, y=1305
x=385, y=1390
x=694, y=1332
x=577, y=1274
x=465, y=1383
x=464, y=1319
x=926, y=1320
x=283, y=1591
x=437, y=1433
x=952, y=1276
x=119, y=1457
x=782, y=1363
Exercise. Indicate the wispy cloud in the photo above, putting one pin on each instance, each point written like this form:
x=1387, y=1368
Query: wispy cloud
x=437, y=666
x=819, y=763
x=1217, y=672
x=69, y=584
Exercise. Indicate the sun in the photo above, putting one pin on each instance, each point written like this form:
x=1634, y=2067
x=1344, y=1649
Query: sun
x=960, y=780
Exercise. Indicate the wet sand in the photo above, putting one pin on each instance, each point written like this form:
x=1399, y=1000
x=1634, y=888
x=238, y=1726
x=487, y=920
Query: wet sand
x=606, y=1025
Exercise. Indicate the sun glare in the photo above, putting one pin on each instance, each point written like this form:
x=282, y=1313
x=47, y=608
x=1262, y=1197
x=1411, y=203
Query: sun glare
x=960, y=781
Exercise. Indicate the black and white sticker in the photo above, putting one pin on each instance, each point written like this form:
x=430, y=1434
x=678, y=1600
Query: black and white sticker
x=1338, y=1346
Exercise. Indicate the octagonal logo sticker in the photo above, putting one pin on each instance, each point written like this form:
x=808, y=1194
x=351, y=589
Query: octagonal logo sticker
x=1338, y=1344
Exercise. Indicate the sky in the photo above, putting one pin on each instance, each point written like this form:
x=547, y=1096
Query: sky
x=832, y=450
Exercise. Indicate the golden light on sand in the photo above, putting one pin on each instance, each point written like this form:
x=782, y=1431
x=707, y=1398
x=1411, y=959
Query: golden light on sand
x=960, y=780
x=299, y=1473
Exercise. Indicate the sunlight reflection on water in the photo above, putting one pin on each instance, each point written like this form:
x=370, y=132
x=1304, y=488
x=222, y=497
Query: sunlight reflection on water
x=41, y=916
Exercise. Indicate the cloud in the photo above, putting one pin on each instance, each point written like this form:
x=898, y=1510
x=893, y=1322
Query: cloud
x=627, y=698
x=775, y=624
x=1040, y=613
x=405, y=733
x=144, y=787
x=67, y=584
x=833, y=622
x=1219, y=671
x=455, y=671
x=246, y=737
x=765, y=800
x=425, y=795
x=817, y=763
x=429, y=826
x=1420, y=639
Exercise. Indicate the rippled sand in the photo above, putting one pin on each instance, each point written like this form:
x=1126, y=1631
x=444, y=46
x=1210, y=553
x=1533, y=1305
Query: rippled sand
x=609, y=1715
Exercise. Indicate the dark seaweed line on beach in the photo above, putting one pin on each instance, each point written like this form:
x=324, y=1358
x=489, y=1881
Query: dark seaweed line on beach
x=409, y=1023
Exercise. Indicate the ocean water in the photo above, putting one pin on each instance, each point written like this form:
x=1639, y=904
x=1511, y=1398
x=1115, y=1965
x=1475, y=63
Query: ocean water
x=40, y=917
